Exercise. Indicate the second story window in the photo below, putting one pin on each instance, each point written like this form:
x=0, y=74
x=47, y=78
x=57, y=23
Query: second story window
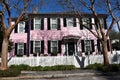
x=86, y=22
x=37, y=23
x=69, y=22
x=53, y=23
x=21, y=27
x=103, y=21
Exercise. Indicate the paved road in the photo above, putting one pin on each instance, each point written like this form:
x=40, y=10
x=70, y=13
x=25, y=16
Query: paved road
x=81, y=78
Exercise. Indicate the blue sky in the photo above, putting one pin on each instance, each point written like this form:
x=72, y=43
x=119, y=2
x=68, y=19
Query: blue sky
x=48, y=6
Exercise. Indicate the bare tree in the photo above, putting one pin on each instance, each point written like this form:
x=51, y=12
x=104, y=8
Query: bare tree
x=109, y=7
x=9, y=10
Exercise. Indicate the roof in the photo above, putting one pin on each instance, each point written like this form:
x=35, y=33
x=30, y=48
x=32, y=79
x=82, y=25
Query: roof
x=65, y=14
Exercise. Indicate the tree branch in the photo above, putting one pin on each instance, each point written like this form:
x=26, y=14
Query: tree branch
x=2, y=22
x=19, y=18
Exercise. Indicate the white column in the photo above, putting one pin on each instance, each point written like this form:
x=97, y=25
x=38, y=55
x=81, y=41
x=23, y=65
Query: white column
x=75, y=48
x=67, y=48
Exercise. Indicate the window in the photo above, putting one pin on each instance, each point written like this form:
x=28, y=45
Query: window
x=53, y=23
x=69, y=22
x=87, y=45
x=37, y=46
x=103, y=21
x=87, y=22
x=54, y=46
x=21, y=27
x=20, y=49
x=37, y=23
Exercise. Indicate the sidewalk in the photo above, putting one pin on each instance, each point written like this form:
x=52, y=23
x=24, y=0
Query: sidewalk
x=55, y=74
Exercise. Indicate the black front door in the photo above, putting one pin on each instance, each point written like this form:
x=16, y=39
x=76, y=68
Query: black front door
x=71, y=48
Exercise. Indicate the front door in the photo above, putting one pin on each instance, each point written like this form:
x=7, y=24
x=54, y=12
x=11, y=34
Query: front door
x=71, y=48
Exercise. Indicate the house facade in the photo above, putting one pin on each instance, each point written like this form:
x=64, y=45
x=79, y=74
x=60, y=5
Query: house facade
x=56, y=34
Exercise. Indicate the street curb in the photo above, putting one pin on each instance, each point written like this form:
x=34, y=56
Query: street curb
x=57, y=76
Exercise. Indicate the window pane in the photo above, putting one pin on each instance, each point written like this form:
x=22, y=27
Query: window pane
x=37, y=43
x=20, y=51
x=54, y=44
x=37, y=26
x=86, y=21
x=54, y=49
x=37, y=49
x=87, y=42
x=69, y=21
x=37, y=20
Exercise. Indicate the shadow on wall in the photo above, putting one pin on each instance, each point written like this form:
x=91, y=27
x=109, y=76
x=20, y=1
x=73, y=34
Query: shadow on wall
x=80, y=62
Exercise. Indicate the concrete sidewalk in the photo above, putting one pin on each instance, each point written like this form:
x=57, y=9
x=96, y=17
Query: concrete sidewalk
x=55, y=74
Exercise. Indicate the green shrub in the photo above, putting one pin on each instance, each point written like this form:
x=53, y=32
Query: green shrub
x=10, y=72
x=107, y=68
x=40, y=68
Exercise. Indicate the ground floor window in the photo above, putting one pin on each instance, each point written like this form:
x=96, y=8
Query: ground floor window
x=87, y=46
x=54, y=46
x=37, y=47
x=20, y=49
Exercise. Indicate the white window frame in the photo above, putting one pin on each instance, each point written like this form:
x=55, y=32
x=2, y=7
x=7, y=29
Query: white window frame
x=37, y=23
x=53, y=21
x=87, y=45
x=19, y=47
x=34, y=42
x=52, y=46
x=23, y=27
x=69, y=22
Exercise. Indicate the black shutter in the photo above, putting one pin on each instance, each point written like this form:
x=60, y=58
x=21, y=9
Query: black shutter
x=16, y=48
x=59, y=46
x=49, y=47
x=58, y=23
x=42, y=23
x=98, y=45
x=92, y=44
x=64, y=21
x=24, y=48
x=42, y=46
x=81, y=24
x=96, y=23
x=16, y=29
x=74, y=22
x=82, y=45
x=48, y=23
x=90, y=23
x=108, y=45
x=105, y=24
x=31, y=47
x=32, y=24
x=26, y=26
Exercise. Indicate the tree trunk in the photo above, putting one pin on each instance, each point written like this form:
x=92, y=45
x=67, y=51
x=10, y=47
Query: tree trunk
x=105, y=51
x=4, y=55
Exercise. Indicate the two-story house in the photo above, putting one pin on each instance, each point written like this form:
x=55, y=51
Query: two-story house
x=56, y=33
